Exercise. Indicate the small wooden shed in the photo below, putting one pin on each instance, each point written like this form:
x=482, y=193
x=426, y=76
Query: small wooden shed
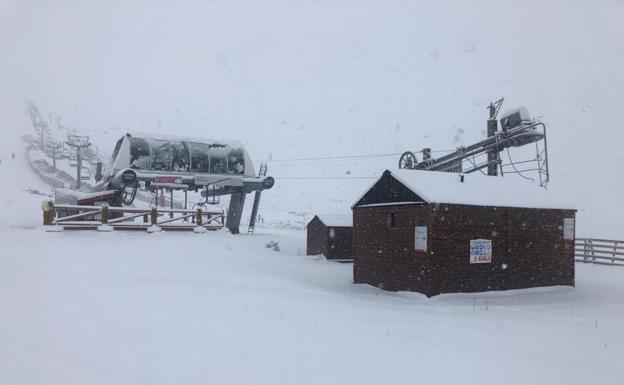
x=331, y=236
x=435, y=232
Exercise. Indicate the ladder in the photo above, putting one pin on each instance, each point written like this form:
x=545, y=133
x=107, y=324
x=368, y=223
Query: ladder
x=257, y=195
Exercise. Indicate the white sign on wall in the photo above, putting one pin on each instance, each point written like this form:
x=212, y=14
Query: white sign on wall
x=420, y=238
x=480, y=251
x=568, y=228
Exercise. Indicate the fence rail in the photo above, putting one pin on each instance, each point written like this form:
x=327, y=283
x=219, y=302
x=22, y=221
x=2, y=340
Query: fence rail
x=599, y=251
x=106, y=218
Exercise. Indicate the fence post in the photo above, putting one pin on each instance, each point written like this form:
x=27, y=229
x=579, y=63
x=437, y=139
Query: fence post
x=145, y=218
x=591, y=247
x=48, y=213
x=199, y=217
x=104, y=214
x=154, y=216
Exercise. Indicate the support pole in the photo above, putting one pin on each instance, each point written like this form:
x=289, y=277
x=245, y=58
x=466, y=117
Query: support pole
x=48, y=213
x=79, y=168
x=104, y=214
x=235, y=212
x=199, y=217
x=154, y=216
x=492, y=126
x=171, y=204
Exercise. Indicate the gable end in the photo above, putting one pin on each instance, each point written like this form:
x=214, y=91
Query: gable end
x=389, y=190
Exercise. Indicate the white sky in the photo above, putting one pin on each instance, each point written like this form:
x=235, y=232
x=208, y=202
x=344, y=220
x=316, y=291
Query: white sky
x=317, y=78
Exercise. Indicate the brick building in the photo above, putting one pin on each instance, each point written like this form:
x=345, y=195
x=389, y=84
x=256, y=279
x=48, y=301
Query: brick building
x=435, y=232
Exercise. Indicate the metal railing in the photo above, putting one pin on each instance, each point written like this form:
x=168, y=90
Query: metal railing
x=599, y=251
x=77, y=217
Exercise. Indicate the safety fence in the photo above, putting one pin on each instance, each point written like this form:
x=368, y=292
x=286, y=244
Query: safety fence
x=599, y=251
x=107, y=218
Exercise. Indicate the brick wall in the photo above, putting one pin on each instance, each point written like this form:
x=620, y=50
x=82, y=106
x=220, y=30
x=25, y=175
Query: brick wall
x=317, y=237
x=339, y=243
x=528, y=249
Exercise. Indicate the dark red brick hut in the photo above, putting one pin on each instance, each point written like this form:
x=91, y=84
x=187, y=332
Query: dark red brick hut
x=331, y=236
x=435, y=232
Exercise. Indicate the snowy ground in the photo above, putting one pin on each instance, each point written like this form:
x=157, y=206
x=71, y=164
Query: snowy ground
x=134, y=308
x=301, y=80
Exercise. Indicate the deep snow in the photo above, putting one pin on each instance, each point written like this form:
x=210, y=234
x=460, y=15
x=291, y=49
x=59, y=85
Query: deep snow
x=302, y=80
x=127, y=308
x=136, y=308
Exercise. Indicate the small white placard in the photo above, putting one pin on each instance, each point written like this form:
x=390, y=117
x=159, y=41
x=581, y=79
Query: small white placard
x=568, y=228
x=480, y=251
x=420, y=238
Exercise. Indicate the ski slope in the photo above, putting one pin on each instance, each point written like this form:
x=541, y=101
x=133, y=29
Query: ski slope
x=136, y=308
x=94, y=308
x=291, y=81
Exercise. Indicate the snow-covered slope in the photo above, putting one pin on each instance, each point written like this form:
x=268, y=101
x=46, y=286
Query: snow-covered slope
x=130, y=308
x=302, y=80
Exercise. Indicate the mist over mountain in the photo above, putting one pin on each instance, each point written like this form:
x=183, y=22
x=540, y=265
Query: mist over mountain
x=321, y=78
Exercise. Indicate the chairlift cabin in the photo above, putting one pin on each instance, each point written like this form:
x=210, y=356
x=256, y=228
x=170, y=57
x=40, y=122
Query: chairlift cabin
x=181, y=156
x=197, y=162
x=216, y=167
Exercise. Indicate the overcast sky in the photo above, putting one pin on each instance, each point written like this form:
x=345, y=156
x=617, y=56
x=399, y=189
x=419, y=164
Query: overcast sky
x=315, y=78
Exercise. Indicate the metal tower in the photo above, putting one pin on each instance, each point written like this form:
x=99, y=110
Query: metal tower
x=78, y=142
x=517, y=129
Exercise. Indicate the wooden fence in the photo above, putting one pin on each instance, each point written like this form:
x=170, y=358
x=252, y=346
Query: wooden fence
x=106, y=218
x=599, y=251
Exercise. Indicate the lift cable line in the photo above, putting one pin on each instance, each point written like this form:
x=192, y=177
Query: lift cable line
x=348, y=157
x=332, y=157
x=325, y=177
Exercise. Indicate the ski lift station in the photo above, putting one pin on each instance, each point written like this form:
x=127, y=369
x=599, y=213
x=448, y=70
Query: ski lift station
x=215, y=167
x=437, y=232
x=160, y=164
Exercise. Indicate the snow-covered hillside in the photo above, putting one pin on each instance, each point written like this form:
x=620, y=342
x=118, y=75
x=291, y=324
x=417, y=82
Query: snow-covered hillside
x=138, y=308
x=302, y=80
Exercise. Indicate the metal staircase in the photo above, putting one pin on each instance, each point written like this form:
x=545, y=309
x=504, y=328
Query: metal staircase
x=254, y=209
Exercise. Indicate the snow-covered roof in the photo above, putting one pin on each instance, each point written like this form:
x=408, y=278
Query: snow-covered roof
x=159, y=136
x=335, y=220
x=479, y=189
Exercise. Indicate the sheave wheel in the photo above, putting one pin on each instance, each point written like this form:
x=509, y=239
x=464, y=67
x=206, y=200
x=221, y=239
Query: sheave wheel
x=408, y=160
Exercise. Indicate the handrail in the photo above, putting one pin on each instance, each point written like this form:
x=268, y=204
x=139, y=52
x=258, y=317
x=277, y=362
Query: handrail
x=599, y=240
x=129, y=209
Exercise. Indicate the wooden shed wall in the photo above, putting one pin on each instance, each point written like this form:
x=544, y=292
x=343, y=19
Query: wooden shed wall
x=528, y=241
x=340, y=245
x=316, y=237
x=384, y=256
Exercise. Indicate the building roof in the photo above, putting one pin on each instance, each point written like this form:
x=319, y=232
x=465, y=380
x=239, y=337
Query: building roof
x=333, y=220
x=476, y=189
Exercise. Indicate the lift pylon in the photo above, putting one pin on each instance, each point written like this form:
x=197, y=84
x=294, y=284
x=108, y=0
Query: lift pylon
x=517, y=129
